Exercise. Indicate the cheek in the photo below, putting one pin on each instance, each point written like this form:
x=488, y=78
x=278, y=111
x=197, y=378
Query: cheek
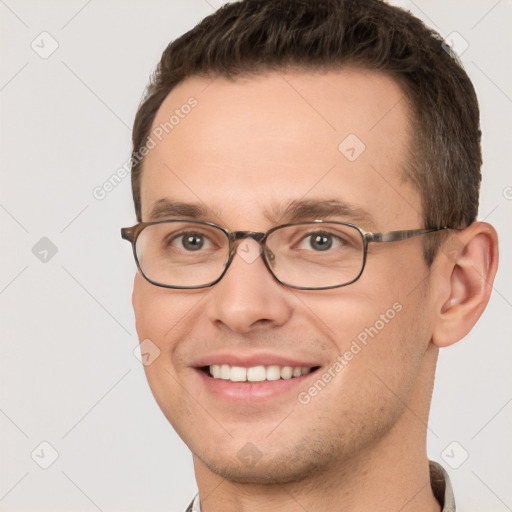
x=160, y=313
x=149, y=306
x=393, y=343
x=161, y=318
x=380, y=332
x=391, y=302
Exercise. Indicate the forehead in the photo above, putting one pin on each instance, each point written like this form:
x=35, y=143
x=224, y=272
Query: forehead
x=257, y=143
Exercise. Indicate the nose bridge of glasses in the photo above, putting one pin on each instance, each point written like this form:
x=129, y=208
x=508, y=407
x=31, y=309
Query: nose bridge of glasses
x=241, y=235
x=238, y=236
x=258, y=237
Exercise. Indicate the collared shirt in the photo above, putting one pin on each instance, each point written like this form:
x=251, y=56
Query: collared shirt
x=439, y=480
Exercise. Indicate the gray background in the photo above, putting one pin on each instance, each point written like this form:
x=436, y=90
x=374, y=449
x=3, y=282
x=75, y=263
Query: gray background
x=68, y=373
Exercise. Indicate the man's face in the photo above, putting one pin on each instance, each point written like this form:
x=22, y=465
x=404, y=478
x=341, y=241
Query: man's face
x=253, y=146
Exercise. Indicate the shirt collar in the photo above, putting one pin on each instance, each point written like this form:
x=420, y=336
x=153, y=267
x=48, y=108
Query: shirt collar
x=194, y=506
x=441, y=487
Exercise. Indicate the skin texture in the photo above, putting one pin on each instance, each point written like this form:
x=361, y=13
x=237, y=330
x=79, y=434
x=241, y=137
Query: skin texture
x=261, y=142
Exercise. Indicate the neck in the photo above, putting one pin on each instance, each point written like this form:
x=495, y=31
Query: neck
x=389, y=476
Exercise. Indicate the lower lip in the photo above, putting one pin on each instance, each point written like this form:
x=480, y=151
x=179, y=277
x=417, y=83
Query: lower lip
x=251, y=391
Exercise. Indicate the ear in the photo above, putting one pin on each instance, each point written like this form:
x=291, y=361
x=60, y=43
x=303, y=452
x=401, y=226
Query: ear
x=467, y=264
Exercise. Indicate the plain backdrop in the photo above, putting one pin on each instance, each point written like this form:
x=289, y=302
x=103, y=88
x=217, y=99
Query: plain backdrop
x=72, y=74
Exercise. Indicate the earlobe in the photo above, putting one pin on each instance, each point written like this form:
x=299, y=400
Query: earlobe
x=469, y=261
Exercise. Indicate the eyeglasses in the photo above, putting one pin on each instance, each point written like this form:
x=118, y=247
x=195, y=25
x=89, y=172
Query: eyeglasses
x=315, y=255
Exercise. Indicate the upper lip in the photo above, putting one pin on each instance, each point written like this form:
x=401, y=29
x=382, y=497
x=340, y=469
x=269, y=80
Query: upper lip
x=249, y=360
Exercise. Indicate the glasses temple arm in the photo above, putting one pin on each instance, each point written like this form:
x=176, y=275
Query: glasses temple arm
x=395, y=236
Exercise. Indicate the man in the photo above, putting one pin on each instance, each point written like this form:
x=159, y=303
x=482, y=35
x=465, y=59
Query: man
x=306, y=180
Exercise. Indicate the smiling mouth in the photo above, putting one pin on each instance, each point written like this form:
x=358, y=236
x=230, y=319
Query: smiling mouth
x=256, y=373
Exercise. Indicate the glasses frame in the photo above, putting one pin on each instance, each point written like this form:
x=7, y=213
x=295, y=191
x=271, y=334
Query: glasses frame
x=132, y=233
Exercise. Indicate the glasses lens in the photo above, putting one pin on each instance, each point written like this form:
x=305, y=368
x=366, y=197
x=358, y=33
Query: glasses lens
x=182, y=254
x=316, y=255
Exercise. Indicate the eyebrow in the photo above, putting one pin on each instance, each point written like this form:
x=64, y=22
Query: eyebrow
x=165, y=208
x=319, y=209
x=295, y=211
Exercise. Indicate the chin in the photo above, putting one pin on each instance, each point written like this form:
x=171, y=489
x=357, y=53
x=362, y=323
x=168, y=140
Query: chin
x=270, y=464
x=263, y=472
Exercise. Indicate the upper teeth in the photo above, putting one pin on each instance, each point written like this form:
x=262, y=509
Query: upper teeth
x=256, y=373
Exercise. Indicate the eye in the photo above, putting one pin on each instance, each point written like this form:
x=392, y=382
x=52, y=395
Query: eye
x=191, y=241
x=320, y=241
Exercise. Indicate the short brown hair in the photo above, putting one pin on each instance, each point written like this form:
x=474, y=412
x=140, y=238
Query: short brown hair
x=254, y=36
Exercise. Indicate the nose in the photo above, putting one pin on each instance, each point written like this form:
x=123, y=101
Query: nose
x=248, y=297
